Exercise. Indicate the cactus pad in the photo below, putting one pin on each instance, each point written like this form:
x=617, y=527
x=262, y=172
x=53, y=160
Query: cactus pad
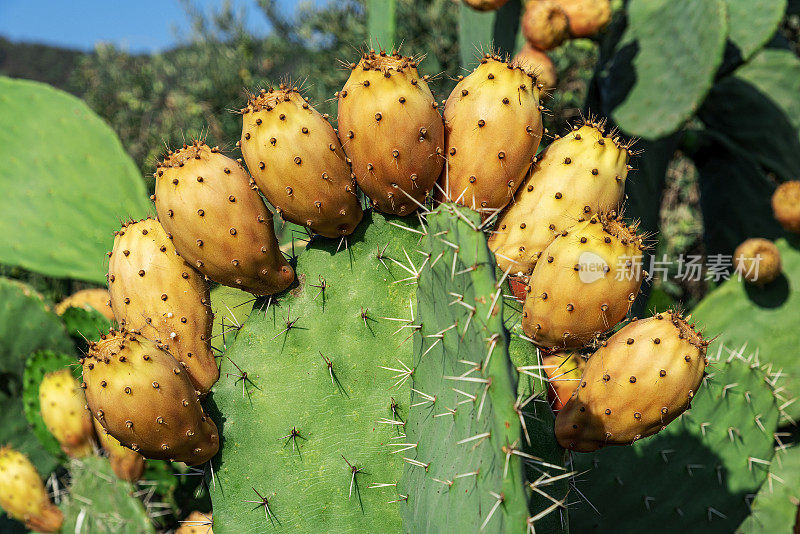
x=83, y=176
x=308, y=432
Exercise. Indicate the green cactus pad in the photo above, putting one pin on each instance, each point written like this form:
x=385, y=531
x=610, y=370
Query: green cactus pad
x=84, y=325
x=465, y=471
x=351, y=308
x=775, y=507
x=751, y=23
x=763, y=319
x=697, y=473
x=679, y=45
x=66, y=180
x=99, y=502
x=39, y=364
x=231, y=307
x=26, y=325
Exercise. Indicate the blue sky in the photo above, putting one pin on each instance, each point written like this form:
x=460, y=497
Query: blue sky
x=138, y=26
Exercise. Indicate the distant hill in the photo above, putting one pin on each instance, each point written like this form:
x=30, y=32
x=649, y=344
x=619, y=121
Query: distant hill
x=44, y=63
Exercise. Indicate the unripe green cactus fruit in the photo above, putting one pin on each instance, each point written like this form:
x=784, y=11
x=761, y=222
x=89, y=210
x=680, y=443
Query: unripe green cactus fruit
x=154, y=291
x=217, y=222
x=584, y=284
x=576, y=176
x=493, y=125
x=143, y=397
x=390, y=127
x=640, y=380
x=22, y=494
x=298, y=163
x=63, y=407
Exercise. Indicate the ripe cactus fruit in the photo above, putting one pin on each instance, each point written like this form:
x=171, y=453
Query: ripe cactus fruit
x=544, y=24
x=217, y=222
x=390, y=127
x=758, y=261
x=584, y=284
x=126, y=463
x=539, y=63
x=564, y=371
x=493, y=126
x=786, y=205
x=586, y=17
x=577, y=175
x=485, y=5
x=63, y=407
x=641, y=378
x=154, y=291
x=196, y=523
x=297, y=162
x=143, y=397
x=95, y=299
x=22, y=494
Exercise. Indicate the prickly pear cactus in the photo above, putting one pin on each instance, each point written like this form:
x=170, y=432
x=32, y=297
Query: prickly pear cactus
x=37, y=366
x=314, y=393
x=84, y=325
x=465, y=444
x=83, y=176
x=98, y=501
x=764, y=318
x=698, y=471
x=775, y=507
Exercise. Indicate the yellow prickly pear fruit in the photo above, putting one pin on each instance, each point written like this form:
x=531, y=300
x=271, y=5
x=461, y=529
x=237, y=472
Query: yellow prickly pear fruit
x=639, y=381
x=576, y=176
x=298, y=163
x=544, y=24
x=758, y=261
x=391, y=129
x=143, y=397
x=586, y=17
x=493, y=125
x=196, y=523
x=127, y=464
x=539, y=63
x=154, y=291
x=96, y=299
x=786, y=205
x=564, y=371
x=218, y=222
x=584, y=284
x=63, y=407
x=23, y=496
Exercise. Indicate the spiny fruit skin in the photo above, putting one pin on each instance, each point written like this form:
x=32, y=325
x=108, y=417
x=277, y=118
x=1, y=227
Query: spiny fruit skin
x=218, y=222
x=586, y=17
x=564, y=370
x=127, y=464
x=196, y=523
x=544, y=24
x=576, y=176
x=143, y=397
x=639, y=381
x=22, y=494
x=485, y=5
x=298, y=163
x=96, y=299
x=786, y=205
x=758, y=261
x=538, y=63
x=391, y=129
x=584, y=284
x=63, y=407
x=154, y=291
x=493, y=126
